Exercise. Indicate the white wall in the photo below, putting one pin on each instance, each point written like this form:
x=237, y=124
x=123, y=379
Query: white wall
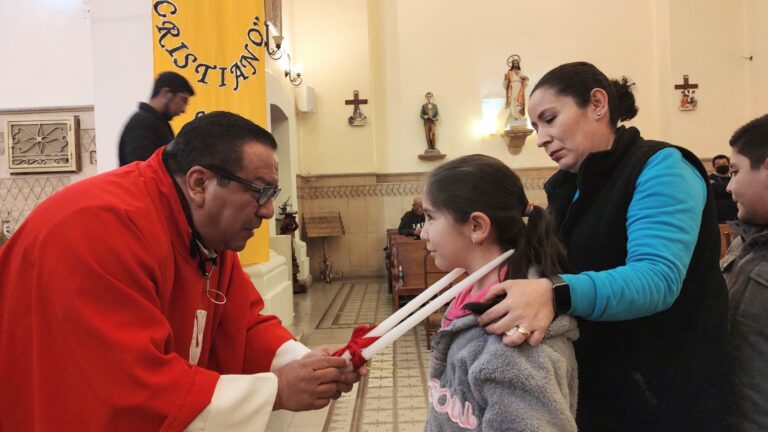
x=458, y=51
x=45, y=52
x=331, y=42
x=755, y=36
x=461, y=58
x=706, y=45
x=123, y=75
x=281, y=94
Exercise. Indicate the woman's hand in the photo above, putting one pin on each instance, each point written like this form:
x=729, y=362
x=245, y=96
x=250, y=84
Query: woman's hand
x=525, y=314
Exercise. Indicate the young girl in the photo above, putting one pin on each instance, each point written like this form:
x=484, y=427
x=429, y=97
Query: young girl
x=474, y=208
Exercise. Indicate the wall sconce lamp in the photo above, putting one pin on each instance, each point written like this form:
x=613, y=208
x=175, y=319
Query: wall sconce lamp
x=294, y=76
x=494, y=113
x=275, y=53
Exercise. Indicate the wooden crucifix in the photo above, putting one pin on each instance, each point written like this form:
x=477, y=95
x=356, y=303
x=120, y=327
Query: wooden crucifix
x=688, y=99
x=357, y=118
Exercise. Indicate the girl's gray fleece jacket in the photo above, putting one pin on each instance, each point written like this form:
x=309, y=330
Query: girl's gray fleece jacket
x=477, y=383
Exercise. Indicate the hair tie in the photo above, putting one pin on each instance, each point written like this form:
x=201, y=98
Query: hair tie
x=528, y=209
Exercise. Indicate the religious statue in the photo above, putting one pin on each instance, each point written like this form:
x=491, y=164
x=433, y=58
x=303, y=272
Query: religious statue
x=514, y=84
x=429, y=114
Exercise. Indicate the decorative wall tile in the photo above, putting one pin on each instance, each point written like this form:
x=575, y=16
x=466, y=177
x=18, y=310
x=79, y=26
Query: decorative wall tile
x=21, y=193
x=361, y=191
x=42, y=143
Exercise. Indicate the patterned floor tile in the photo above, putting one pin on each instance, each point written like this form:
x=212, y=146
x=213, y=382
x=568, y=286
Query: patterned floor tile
x=393, y=398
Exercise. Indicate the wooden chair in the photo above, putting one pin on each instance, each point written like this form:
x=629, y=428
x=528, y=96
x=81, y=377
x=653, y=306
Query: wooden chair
x=726, y=237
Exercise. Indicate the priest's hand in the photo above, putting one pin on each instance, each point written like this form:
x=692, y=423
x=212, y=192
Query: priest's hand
x=321, y=351
x=348, y=377
x=309, y=383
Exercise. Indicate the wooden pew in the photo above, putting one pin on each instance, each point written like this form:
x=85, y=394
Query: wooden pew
x=391, y=237
x=409, y=254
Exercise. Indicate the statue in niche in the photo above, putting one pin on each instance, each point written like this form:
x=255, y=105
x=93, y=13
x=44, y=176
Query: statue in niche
x=430, y=114
x=514, y=85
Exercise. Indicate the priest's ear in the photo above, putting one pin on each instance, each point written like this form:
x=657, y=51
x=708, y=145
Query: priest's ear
x=196, y=183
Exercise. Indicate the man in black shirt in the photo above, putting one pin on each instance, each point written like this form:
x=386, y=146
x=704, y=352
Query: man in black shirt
x=726, y=208
x=412, y=220
x=149, y=129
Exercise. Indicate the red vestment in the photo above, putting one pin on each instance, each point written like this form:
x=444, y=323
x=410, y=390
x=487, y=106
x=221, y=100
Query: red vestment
x=99, y=298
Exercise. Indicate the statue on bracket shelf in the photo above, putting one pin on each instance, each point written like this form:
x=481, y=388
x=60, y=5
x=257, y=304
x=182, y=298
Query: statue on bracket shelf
x=429, y=114
x=514, y=85
x=516, y=129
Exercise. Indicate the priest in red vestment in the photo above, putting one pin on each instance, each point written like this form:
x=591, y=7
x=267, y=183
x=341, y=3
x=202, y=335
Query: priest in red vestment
x=123, y=306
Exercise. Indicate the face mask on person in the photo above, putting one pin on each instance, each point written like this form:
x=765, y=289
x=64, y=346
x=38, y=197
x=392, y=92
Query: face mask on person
x=722, y=169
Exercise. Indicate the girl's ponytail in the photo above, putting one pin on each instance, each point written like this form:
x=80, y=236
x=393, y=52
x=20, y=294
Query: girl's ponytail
x=539, y=245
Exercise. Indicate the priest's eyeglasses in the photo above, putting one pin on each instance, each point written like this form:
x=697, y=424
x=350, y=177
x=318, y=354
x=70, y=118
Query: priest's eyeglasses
x=262, y=194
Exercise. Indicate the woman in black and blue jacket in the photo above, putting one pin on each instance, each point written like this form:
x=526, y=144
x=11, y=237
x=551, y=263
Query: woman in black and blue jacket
x=638, y=221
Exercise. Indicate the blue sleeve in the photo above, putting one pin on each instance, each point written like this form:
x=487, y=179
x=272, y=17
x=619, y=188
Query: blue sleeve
x=662, y=229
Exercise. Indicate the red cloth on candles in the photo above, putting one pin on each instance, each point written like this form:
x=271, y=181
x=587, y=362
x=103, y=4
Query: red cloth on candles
x=356, y=344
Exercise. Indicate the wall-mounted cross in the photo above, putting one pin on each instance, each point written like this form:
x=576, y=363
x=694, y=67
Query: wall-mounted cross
x=686, y=85
x=356, y=101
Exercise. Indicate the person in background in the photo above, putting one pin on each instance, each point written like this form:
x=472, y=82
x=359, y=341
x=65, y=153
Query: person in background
x=726, y=208
x=413, y=219
x=639, y=225
x=125, y=308
x=745, y=267
x=474, y=207
x=148, y=129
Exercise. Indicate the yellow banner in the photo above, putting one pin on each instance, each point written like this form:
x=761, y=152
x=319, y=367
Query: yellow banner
x=219, y=47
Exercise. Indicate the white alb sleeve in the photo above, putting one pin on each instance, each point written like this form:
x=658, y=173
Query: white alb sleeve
x=288, y=352
x=244, y=402
x=239, y=403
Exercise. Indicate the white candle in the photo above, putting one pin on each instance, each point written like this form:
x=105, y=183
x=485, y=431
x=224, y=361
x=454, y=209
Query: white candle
x=411, y=306
x=414, y=304
x=433, y=306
